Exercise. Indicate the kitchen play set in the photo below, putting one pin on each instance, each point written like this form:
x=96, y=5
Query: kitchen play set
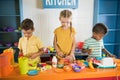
x=7, y=64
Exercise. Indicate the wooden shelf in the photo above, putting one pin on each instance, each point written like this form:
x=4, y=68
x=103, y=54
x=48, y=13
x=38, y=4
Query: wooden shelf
x=3, y=47
x=10, y=32
x=9, y=15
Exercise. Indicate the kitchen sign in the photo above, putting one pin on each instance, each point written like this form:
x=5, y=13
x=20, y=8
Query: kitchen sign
x=60, y=4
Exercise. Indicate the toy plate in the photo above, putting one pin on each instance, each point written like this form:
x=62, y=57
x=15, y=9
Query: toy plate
x=33, y=72
x=58, y=70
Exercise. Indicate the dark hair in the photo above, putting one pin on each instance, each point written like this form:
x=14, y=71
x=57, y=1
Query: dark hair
x=27, y=24
x=100, y=28
x=67, y=14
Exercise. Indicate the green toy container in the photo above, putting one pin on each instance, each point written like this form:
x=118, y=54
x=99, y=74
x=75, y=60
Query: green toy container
x=23, y=65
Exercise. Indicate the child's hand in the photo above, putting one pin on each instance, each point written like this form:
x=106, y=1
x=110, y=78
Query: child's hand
x=20, y=55
x=61, y=54
x=89, y=51
x=33, y=56
x=70, y=58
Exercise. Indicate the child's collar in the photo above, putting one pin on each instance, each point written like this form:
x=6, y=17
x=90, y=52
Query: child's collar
x=29, y=37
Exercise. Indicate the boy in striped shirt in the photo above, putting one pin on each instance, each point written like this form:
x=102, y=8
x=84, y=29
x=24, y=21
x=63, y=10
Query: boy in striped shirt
x=94, y=46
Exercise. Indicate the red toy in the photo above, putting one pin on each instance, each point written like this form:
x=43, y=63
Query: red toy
x=80, y=45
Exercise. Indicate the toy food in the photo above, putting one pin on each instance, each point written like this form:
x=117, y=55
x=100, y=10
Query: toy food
x=80, y=63
x=61, y=61
x=48, y=67
x=90, y=65
x=51, y=49
x=66, y=61
x=67, y=68
x=32, y=63
x=43, y=64
x=9, y=50
x=43, y=69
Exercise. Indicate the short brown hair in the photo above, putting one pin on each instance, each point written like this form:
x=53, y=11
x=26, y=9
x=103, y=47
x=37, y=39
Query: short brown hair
x=100, y=28
x=27, y=24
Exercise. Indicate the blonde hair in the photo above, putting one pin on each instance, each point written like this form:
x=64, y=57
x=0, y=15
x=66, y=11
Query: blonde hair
x=66, y=14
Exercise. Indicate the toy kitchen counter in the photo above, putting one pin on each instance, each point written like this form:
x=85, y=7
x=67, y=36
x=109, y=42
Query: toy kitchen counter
x=86, y=74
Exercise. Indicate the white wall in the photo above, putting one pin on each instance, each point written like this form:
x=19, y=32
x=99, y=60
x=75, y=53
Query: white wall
x=46, y=20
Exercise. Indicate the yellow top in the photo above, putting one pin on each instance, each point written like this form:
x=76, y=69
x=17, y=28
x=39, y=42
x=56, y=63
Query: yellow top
x=64, y=39
x=30, y=46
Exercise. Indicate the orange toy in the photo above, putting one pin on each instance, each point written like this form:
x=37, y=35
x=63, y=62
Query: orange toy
x=6, y=61
x=67, y=68
x=58, y=70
